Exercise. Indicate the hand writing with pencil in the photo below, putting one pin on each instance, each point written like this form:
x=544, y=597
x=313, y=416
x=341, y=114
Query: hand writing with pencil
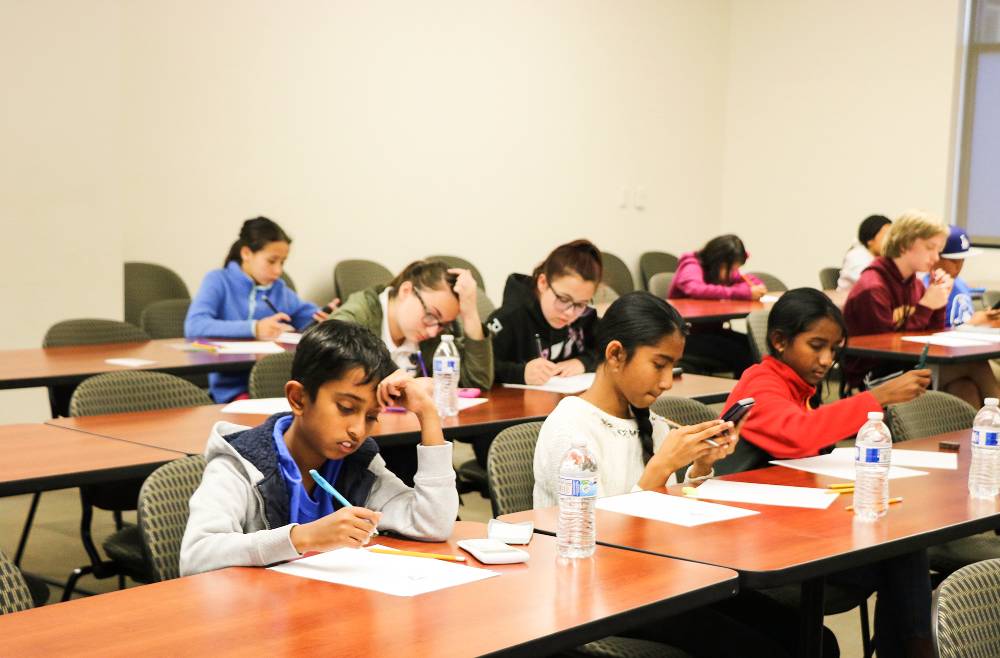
x=350, y=527
x=272, y=326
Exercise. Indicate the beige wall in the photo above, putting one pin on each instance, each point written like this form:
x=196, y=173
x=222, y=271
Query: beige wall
x=60, y=173
x=836, y=110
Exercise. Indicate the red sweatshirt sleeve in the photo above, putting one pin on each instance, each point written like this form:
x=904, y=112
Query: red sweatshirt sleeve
x=869, y=311
x=787, y=430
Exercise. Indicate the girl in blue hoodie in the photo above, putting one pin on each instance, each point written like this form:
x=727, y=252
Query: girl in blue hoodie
x=247, y=298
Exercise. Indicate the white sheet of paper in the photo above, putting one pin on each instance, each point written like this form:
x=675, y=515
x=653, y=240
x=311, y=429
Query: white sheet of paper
x=768, y=299
x=289, y=338
x=765, y=494
x=945, y=340
x=568, y=385
x=248, y=347
x=510, y=533
x=398, y=575
x=265, y=406
x=129, y=363
x=670, y=509
x=980, y=338
x=912, y=458
x=466, y=403
x=840, y=465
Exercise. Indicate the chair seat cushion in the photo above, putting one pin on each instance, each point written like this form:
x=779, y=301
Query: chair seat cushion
x=125, y=548
x=954, y=555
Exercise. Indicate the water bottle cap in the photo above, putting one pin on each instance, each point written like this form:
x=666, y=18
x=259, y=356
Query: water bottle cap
x=875, y=415
x=991, y=402
x=447, y=338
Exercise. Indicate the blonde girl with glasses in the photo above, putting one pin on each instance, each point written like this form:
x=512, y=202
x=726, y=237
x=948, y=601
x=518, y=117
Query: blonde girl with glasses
x=546, y=325
x=425, y=300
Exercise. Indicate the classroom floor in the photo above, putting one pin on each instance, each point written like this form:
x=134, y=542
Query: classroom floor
x=55, y=548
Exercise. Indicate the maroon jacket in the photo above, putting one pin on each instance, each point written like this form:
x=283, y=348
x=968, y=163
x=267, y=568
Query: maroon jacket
x=882, y=301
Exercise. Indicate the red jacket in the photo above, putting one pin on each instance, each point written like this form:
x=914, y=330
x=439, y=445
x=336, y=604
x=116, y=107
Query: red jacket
x=883, y=301
x=781, y=422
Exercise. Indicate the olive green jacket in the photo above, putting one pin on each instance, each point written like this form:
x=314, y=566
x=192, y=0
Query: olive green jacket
x=363, y=308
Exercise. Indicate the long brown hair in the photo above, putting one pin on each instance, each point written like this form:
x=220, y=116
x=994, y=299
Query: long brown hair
x=424, y=274
x=577, y=257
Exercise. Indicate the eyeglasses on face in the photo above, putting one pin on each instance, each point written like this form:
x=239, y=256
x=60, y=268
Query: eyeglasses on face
x=564, y=303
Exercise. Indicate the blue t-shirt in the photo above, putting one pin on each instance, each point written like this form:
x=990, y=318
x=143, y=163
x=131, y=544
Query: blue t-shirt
x=301, y=506
x=959, y=309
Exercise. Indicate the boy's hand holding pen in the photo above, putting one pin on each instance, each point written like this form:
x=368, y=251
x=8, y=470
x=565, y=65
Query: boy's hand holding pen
x=349, y=526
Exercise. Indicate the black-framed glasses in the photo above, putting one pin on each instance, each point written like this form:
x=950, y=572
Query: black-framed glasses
x=430, y=320
x=565, y=303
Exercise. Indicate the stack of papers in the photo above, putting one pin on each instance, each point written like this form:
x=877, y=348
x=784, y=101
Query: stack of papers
x=840, y=464
x=248, y=347
x=566, y=385
x=670, y=509
x=399, y=575
x=765, y=494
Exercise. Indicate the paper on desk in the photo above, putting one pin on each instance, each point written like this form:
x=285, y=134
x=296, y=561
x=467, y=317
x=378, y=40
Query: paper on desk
x=266, y=406
x=465, y=403
x=911, y=458
x=840, y=465
x=129, y=363
x=568, y=385
x=399, y=575
x=767, y=299
x=945, y=340
x=289, y=338
x=248, y=347
x=981, y=338
x=765, y=494
x=670, y=509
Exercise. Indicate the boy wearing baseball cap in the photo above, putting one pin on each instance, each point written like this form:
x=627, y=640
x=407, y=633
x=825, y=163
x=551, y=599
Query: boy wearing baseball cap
x=960, y=309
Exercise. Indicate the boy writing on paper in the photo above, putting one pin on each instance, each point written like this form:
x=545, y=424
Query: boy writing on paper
x=255, y=508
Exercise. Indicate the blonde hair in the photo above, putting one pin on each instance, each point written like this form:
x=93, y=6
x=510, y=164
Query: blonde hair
x=909, y=227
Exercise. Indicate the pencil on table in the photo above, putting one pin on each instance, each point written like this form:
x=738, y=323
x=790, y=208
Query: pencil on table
x=436, y=556
x=892, y=501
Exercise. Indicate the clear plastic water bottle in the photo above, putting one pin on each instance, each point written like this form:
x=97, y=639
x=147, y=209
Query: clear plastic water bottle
x=872, y=455
x=984, y=471
x=575, y=531
x=446, y=373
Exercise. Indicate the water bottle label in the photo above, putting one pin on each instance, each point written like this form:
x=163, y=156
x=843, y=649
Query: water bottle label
x=445, y=365
x=871, y=455
x=578, y=487
x=985, y=438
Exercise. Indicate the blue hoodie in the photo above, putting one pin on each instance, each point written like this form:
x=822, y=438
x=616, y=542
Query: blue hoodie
x=228, y=305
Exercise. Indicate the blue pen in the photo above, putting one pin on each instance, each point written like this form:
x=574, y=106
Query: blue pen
x=423, y=366
x=327, y=487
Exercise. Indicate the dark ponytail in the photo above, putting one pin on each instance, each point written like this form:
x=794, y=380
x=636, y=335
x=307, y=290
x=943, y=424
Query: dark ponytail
x=577, y=257
x=638, y=319
x=425, y=275
x=256, y=233
x=722, y=250
x=796, y=310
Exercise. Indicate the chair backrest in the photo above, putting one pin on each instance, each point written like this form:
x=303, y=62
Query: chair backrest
x=968, y=618
x=484, y=304
x=757, y=333
x=92, y=332
x=654, y=262
x=773, y=283
x=288, y=280
x=146, y=283
x=163, y=512
x=458, y=261
x=991, y=298
x=659, y=284
x=165, y=318
x=270, y=374
x=684, y=411
x=828, y=278
x=134, y=390
x=350, y=276
x=14, y=593
x=932, y=413
x=616, y=273
x=510, y=468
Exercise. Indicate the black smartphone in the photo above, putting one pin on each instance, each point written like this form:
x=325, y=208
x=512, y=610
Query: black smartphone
x=739, y=409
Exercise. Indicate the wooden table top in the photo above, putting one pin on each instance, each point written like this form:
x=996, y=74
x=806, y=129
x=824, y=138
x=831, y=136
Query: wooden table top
x=892, y=346
x=64, y=365
x=40, y=457
x=719, y=310
x=788, y=544
x=534, y=608
x=186, y=430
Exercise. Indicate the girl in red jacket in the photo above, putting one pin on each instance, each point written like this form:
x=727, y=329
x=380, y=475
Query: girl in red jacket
x=714, y=273
x=805, y=330
x=890, y=297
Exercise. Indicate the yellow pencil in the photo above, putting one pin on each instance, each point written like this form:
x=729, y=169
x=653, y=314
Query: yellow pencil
x=892, y=501
x=841, y=485
x=436, y=556
x=204, y=346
